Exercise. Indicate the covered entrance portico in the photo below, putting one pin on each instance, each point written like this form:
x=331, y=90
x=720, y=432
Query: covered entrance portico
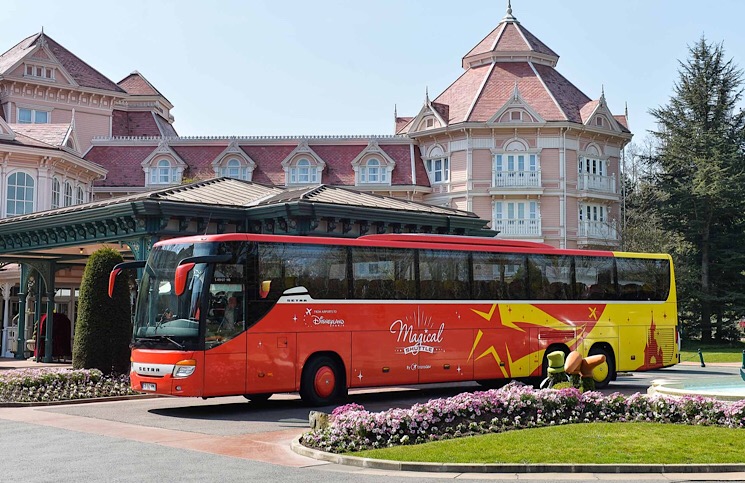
x=53, y=246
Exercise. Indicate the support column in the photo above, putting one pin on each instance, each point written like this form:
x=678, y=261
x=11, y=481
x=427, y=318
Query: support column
x=21, y=337
x=5, y=288
x=48, y=355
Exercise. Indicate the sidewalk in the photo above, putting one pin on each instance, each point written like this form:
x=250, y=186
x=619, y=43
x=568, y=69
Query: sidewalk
x=9, y=363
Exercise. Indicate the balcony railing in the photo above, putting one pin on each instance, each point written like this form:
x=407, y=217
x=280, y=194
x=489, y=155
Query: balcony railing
x=517, y=179
x=518, y=227
x=597, y=229
x=596, y=182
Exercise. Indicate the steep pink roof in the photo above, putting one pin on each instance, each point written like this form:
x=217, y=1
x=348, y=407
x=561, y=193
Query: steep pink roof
x=510, y=37
x=82, y=73
x=49, y=134
x=134, y=124
x=485, y=97
x=135, y=84
x=122, y=162
x=571, y=99
x=622, y=120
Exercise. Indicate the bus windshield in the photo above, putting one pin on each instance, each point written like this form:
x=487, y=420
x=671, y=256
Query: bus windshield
x=164, y=320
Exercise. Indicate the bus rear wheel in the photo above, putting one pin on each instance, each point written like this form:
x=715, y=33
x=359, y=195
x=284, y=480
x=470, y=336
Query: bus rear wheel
x=322, y=382
x=604, y=373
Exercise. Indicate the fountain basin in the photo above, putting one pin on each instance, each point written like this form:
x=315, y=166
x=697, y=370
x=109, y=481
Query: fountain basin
x=722, y=388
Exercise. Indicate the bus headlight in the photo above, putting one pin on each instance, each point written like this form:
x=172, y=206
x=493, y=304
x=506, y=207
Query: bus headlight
x=185, y=368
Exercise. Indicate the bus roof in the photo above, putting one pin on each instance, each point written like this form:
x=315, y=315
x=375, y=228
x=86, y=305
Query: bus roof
x=406, y=240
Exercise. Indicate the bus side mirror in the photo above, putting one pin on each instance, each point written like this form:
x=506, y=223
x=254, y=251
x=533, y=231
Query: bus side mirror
x=118, y=269
x=112, y=280
x=266, y=285
x=182, y=273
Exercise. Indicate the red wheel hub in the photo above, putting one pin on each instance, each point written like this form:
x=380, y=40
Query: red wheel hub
x=324, y=382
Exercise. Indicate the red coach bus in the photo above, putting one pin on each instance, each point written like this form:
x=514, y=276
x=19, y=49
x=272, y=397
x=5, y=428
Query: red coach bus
x=254, y=315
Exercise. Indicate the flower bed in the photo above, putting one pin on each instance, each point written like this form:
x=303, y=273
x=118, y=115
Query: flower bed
x=515, y=406
x=60, y=384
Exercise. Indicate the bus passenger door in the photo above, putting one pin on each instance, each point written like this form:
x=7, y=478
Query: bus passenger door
x=225, y=368
x=270, y=366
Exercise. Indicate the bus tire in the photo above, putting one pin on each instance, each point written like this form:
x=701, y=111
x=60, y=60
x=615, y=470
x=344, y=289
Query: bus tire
x=258, y=398
x=604, y=373
x=322, y=381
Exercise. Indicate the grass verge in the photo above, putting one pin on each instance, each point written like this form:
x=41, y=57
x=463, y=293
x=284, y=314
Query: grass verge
x=713, y=352
x=598, y=443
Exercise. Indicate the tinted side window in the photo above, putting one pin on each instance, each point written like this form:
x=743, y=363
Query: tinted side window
x=443, y=275
x=384, y=273
x=499, y=276
x=643, y=279
x=594, y=277
x=319, y=268
x=550, y=277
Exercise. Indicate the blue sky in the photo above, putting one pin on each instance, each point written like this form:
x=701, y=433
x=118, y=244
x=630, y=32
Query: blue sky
x=290, y=67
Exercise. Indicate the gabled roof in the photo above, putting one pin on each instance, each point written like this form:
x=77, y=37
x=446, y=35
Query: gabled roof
x=342, y=196
x=137, y=85
x=83, y=74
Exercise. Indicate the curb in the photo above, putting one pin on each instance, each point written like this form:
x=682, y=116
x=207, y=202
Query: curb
x=509, y=467
x=77, y=401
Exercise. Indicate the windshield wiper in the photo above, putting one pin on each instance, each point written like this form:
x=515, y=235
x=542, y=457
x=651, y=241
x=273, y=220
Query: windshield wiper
x=159, y=338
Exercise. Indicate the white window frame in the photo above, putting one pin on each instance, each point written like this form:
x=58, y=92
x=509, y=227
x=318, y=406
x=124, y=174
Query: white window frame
x=438, y=169
x=67, y=194
x=163, y=172
x=56, y=193
x=373, y=171
x=79, y=196
x=235, y=168
x=303, y=172
x=26, y=200
x=39, y=71
x=33, y=113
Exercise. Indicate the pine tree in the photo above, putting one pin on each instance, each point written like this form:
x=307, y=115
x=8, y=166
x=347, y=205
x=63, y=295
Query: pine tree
x=700, y=169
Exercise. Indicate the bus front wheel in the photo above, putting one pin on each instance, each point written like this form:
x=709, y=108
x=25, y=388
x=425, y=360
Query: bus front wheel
x=603, y=374
x=322, y=382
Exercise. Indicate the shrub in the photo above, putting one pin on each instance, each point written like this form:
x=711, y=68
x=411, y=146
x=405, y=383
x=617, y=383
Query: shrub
x=102, y=330
x=514, y=406
x=59, y=384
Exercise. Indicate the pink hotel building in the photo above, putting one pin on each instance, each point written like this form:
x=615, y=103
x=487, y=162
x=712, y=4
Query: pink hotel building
x=511, y=140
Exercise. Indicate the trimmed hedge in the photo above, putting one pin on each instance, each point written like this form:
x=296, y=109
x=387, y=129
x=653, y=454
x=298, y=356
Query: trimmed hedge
x=103, y=328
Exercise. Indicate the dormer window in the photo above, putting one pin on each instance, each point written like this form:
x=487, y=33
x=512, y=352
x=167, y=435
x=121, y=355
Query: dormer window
x=164, y=173
x=234, y=168
x=370, y=172
x=303, y=172
x=39, y=71
x=438, y=166
x=33, y=116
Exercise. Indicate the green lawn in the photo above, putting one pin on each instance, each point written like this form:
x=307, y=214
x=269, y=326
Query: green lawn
x=713, y=352
x=617, y=443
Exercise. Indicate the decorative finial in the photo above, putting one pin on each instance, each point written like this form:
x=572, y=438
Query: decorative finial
x=626, y=111
x=602, y=93
x=509, y=17
x=516, y=92
x=426, y=94
x=395, y=111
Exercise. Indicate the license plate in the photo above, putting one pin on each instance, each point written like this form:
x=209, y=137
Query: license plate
x=148, y=386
